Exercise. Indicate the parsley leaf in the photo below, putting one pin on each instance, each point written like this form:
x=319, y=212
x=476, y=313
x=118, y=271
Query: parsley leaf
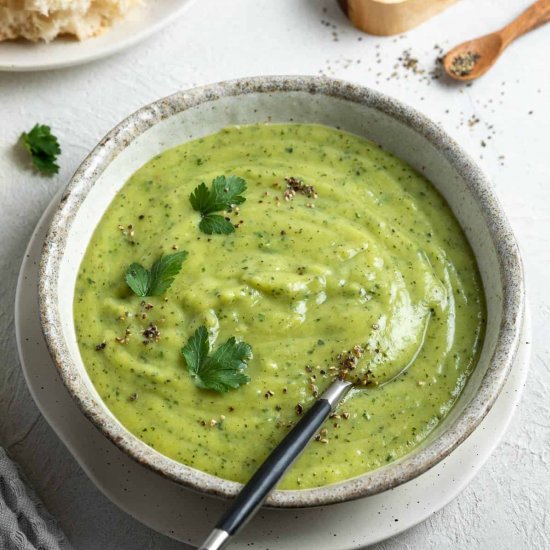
x=224, y=193
x=158, y=279
x=43, y=147
x=137, y=278
x=221, y=371
x=212, y=223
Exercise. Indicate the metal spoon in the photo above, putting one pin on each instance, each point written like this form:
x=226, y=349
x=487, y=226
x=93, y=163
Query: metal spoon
x=254, y=493
x=474, y=58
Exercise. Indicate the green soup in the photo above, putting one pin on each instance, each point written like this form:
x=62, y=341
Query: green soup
x=376, y=259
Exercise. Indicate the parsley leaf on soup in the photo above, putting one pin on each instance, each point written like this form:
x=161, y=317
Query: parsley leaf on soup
x=43, y=147
x=221, y=371
x=212, y=223
x=224, y=193
x=158, y=279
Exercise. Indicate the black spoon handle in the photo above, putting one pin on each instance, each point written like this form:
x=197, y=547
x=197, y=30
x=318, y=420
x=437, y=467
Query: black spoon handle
x=254, y=493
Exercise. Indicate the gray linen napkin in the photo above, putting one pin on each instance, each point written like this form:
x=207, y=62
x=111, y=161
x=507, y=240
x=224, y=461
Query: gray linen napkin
x=24, y=522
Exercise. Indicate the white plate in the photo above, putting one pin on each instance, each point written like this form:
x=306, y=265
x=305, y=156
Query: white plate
x=65, y=52
x=187, y=516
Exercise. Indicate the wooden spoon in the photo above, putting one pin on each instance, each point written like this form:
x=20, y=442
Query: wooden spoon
x=474, y=58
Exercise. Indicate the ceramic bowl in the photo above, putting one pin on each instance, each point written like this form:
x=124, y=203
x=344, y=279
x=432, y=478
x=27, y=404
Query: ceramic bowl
x=397, y=128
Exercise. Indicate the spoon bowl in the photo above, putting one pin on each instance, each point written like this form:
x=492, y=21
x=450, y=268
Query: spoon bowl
x=389, y=375
x=473, y=58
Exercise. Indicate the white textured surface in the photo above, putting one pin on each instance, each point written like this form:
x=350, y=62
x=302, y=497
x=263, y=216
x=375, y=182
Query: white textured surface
x=508, y=505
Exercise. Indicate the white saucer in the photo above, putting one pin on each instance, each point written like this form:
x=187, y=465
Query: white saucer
x=188, y=516
x=140, y=23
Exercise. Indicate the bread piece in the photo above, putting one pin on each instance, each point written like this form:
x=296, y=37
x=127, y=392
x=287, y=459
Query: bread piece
x=46, y=19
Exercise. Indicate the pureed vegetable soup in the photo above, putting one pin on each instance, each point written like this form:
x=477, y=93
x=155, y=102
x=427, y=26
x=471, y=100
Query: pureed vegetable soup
x=338, y=244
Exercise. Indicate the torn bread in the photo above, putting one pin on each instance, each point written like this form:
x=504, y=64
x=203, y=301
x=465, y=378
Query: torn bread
x=46, y=19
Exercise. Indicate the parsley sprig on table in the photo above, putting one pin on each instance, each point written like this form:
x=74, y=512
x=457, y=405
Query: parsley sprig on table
x=43, y=147
x=221, y=371
x=224, y=193
x=157, y=280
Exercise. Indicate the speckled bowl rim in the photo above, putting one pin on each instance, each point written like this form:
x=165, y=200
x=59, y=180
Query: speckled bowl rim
x=510, y=266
